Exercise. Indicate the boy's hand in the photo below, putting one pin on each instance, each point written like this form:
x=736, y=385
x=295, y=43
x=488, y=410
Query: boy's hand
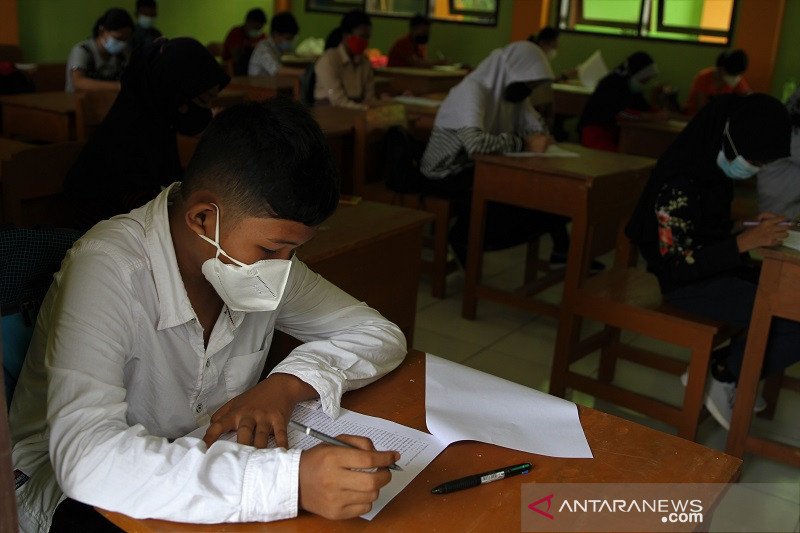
x=260, y=412
x=537, y=142
x=329, y=485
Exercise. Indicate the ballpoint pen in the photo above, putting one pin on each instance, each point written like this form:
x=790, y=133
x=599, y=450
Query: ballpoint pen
x=480, y=479
x=327, y=439
x=754, y=223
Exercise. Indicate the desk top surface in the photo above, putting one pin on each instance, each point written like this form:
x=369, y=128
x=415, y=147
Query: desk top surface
x=352, y=226
x=9, y=147
x=671, y=126
x=782, y=253
x=573, y=88
x=335, y=120
x=590, y=164
x=624, y=452
x=57, y=102
x=421, y=72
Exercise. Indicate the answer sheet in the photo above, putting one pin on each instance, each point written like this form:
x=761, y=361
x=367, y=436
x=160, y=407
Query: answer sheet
x=462, y=403
x=417, y=449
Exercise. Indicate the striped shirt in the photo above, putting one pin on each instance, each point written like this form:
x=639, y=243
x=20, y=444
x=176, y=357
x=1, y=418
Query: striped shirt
x=450, y=151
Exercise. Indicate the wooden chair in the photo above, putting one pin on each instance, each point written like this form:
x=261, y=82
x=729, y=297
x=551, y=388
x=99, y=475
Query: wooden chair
x=33, y=185
x=625, y=298
x=91, y=109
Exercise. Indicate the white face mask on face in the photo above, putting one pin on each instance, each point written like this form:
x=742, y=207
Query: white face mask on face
x=248, y=288
x=731, y=81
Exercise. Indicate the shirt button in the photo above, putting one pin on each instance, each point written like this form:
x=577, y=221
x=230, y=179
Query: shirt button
x=199, y=407
x=208, y=363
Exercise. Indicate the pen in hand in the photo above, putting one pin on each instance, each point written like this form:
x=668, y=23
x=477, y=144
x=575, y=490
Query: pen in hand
x=327, y=439
x=480, y=479
x=754, y=223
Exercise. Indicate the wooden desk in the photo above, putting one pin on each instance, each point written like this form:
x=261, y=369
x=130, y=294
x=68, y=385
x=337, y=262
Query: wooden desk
x=266, y=87
x=9, y=147
x=420, y=80
x=588, y=189
x=570, y=99
x=291, y=60
x=650, y=139
x=624, y=452
x=47, y=117
x=372, y=251
x=778, y=287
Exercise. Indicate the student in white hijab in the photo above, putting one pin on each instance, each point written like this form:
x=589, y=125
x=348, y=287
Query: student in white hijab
x=779, y=181
x=489, y=112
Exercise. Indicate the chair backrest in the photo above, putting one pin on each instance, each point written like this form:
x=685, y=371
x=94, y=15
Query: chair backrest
x=369, y=132
x=33, y=186
x=90, y=110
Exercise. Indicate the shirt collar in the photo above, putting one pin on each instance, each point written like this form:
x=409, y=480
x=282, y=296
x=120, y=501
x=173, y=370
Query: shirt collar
x=344, y=56
x=173, y=303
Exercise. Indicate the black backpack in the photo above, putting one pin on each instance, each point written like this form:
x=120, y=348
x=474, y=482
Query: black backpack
x=402, y=154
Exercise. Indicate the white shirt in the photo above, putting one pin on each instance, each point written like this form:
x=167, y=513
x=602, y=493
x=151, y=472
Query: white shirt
x=265, y=60
x=117, y=366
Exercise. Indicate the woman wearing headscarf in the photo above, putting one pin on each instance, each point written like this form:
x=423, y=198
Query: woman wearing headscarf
x=779, y=182
x=166, y=90
x=682, y=226
x=489, y=112
x=619, y=94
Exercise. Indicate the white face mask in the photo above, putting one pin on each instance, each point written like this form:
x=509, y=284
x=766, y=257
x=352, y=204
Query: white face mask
x=738, y=169
x=248, y=288
x=731, y=81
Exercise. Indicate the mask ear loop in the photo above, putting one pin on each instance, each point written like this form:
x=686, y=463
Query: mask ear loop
x=215, y=242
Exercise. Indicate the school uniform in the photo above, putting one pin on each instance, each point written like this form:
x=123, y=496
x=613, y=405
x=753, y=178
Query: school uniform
x=238, y=47
x=85, y=56
x=343, y=81
x=709, y=84
x=117, y=373
x=779, y=182
x=403, y=50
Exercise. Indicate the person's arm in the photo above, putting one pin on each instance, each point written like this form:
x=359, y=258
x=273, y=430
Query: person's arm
x=262, y=62
x=82, y=82
x=477, y=141
x=681, y=259
x=329, y=85
x=99, y=459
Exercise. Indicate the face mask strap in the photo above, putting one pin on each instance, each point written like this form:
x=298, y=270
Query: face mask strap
x=215, y=242
x=728, y=135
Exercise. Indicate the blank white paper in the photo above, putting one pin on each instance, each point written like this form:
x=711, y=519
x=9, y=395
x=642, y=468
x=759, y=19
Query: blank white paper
x=462, y=403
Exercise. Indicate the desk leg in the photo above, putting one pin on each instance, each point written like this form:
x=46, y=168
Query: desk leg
x=477, y=226
x=757, y=337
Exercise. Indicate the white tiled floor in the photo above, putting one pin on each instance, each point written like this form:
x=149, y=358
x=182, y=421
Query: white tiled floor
x=518, y=346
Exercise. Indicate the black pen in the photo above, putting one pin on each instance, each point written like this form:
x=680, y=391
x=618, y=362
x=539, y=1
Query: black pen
x=479, y=479
x=328, y=439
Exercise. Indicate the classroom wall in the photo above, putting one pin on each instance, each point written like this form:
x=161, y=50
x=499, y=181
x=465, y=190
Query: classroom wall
x=50, y=28
x=787, y=64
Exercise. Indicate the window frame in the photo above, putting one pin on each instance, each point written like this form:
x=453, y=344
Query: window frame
x=641, y=30
x=344, y=8
x=491, y=22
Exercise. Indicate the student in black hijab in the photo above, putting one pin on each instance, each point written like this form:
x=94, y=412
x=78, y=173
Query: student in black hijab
x=166, y=89
x=682, y=225
x=619, y=91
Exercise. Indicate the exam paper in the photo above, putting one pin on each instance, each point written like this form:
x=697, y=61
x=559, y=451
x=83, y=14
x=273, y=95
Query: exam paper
x=552, y=151
x=418, y=101
x=417, y=449
x=591, y=71
x=466, y=404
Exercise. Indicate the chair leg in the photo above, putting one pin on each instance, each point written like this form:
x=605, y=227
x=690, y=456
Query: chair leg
x=439, y=275
x=772, y=387
x=567, y=340
x=608, y=356
x=695, y=389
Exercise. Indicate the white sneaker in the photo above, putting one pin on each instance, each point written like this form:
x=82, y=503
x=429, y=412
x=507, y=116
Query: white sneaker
x=719, y=401
x=758, y=406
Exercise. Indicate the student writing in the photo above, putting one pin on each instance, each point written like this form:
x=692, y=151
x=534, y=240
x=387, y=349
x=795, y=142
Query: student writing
x=160, y=321
x=266, y=58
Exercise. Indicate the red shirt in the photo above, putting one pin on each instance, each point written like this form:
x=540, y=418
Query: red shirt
x=707, y=83
x=237, y=38
x=403, y=50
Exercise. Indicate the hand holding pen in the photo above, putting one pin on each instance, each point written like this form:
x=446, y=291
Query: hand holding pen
x=768, y=230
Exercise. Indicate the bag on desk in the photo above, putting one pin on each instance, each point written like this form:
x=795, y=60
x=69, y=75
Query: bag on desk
x=400, y=163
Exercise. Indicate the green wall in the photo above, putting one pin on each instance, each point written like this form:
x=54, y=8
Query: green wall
x=787, y=65
x=50, y=28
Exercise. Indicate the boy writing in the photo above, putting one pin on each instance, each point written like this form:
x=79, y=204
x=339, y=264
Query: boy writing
x=160, y=321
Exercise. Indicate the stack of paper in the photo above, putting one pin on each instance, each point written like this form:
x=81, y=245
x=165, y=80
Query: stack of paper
x=591, y=71
x=793, y=240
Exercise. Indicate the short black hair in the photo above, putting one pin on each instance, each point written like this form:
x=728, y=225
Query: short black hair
x=114, y=19
x=145, y=3
x=548, y=34
x=419, y=20
x=353, y=19
x=256, y=15
x=266, y=159
x=734, y=62
x=284, y=23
